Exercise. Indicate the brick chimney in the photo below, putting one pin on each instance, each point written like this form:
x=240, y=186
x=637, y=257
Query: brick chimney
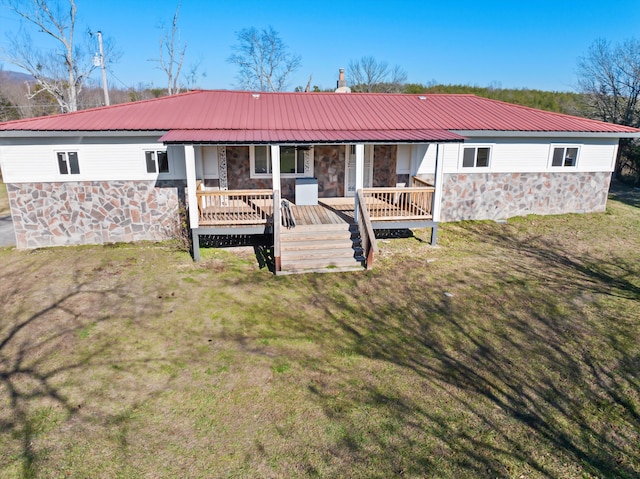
x=342, y=83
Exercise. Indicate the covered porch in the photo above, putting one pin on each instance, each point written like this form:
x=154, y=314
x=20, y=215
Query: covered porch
x=242, y=212
x=400, y=200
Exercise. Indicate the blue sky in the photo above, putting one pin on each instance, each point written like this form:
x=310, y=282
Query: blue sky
x=512, y=44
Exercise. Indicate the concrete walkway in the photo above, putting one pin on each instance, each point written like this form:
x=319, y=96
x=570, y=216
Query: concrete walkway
x=7, y=233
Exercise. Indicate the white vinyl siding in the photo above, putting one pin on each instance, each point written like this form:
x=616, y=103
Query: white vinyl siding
x=449, y=154
x=403, y=163
x=597, y=157
x=105, y=159
x=101, y=159
x=509, y=155
x=423, y=158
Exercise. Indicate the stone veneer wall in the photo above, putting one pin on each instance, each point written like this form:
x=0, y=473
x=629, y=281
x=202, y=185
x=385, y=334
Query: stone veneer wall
x=384, y=166
x=94, y=212
x=328, y=168
x=495, y=196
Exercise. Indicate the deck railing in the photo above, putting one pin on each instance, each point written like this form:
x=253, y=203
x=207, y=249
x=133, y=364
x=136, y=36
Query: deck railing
x=235, y=207
x=367, y=235
x=399, y=203
x=419, y=182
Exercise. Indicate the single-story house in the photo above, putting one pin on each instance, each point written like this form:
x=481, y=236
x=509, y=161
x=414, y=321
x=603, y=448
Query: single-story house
x=367, y=161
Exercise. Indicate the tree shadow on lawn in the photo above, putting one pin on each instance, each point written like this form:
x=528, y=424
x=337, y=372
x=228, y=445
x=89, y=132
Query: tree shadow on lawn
x=539, y=358
x=262, y=246
x=50, y=344
x=625, y=193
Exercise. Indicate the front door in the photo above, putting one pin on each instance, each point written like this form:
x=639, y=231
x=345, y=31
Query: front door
x=350, y=170
x=210, y=168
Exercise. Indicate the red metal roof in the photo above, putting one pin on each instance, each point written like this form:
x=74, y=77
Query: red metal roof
x=244, y=116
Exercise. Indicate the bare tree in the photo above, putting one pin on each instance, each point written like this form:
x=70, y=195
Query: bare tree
x=194, y=75
x=62, y=71
x=171, y=64
x=263, y=60
x=8, y=110
x=609, y=79
x=371, y=76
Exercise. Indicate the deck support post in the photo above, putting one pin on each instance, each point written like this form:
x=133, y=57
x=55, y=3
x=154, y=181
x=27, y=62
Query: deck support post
x=195, y=240
x=359, y=177
x=275, y=170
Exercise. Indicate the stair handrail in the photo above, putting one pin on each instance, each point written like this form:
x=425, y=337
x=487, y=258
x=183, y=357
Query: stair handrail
x=288, y=218
x=367, y=235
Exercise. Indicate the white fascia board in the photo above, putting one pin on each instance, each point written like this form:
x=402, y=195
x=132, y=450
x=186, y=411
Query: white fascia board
x=76, y=133
x=311, y=143
x=542, y=134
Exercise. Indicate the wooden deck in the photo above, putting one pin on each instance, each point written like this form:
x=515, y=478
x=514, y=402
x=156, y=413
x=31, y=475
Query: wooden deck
x=323, y=214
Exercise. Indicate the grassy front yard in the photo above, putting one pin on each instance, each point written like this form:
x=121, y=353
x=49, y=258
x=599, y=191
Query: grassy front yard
x=4, y=199
x=509, y=351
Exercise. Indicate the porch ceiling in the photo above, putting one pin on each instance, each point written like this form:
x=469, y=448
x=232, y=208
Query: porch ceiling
x=309, y=136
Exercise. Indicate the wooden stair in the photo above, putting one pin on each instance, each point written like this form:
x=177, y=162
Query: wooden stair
x=325, y=248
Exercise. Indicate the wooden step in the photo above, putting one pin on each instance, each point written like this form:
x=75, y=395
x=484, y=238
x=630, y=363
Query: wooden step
x=317, y=263
x=318, y=237
x=327, y=227
x=346, y=269
x=322, y=253
x=308, y=244
x=305, y=232
x=320, y=248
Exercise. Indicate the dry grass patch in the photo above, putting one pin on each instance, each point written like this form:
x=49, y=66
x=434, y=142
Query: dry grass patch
x=508, y=351
x=4, y=199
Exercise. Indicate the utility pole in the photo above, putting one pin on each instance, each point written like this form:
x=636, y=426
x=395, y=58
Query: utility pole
x=104, y=71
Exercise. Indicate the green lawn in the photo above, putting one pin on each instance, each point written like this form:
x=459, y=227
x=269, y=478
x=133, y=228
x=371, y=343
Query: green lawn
x=508, y=351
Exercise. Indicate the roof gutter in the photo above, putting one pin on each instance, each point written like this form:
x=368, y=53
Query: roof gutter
x=545, y=134
x=75, y=133
x=385, y=141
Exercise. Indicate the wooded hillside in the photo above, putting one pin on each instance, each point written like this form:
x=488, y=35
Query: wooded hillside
x=559, y=102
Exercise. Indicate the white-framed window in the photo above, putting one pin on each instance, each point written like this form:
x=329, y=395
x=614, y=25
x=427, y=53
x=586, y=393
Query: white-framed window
x=476, y=156
x=68, y=162
x=157, y=161
x=564, y=156
x=294, y=161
